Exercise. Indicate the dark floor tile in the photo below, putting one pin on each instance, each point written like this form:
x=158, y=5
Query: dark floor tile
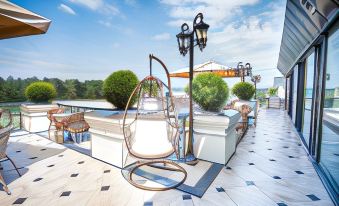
x=43, y=149
x=60, y=155
x=32, y=158
x=186, y=197
x=251, y=163
x=285, y=147
x=277, y=177
x=148, y=203
x=105, y=188
x=299, y=172
x=107, y=171
x=252, y=142
x=281, y=204
x=336, y=154
x=313, y=197
x=248, y=183
x=17, y=151
x=290, y=156
x=228, y=168
x=19, y=201
x=251, y=151
x=81, y=162
x=299, y=144
x=37, y=179
x=220, y=189
x=50, y=166
x=74, y=175
x=65, y=194
x=269, y=149
x=272, y=160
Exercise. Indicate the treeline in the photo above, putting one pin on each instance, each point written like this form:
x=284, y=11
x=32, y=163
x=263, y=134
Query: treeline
x=13, y=90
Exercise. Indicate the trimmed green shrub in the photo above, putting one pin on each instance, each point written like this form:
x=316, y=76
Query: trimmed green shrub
x=243, y=90
x=210, y=91
x=40, y=92
x=119, y=86
x=273, y=91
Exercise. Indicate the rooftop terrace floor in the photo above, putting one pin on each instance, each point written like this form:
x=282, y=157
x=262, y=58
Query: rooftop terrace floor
x=270, y=167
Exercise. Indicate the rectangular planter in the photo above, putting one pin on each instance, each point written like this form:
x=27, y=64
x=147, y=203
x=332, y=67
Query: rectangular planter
x=215, y=137
x=34, y=116
x=107, y=140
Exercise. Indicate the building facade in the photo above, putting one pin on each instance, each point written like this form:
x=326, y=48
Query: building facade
x=309, y=60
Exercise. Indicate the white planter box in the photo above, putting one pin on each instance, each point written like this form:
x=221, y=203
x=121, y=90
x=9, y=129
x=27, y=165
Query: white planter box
x=107, y=140
x=34, y=116
x=215, y=137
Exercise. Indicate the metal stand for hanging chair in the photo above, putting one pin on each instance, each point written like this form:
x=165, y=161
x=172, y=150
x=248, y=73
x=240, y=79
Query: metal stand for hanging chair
x=157, y=110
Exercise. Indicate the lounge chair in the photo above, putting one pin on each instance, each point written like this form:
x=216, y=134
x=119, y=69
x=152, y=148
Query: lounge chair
x=151, y=131
x=5, y=129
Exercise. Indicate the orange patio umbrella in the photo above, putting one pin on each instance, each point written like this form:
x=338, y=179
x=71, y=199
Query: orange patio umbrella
x=210, y=66
x=16, y=21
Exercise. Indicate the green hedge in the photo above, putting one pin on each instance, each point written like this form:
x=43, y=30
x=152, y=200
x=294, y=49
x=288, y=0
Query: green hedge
x=210, y=91
x=119, y=86
x=243, y=90
x=40, y=92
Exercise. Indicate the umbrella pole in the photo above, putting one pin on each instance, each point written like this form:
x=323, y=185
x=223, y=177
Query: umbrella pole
x=190, y=140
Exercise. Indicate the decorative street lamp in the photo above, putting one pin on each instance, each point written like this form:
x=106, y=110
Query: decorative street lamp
x=186, y=42
x=255, y=79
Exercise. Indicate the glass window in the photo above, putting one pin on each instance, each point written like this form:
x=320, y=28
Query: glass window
x=329, y=157
x=294, y=94
x=308, y=97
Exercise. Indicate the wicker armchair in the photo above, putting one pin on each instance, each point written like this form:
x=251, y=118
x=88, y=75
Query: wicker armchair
x=53, y=122
x=5, y=129
x=76, y=123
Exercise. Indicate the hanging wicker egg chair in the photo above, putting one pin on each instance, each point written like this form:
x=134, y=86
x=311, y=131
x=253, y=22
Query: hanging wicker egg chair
x=151, y=131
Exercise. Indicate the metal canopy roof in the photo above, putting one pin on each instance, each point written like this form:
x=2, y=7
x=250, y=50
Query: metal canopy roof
x=304, y=19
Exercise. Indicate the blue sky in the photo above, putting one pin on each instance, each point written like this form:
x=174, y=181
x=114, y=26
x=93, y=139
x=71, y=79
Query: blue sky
x=89, y=39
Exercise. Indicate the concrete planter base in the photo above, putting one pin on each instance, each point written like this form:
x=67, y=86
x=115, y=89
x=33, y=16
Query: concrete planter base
x=107, y=140
x=34, y=116
x=215, y=137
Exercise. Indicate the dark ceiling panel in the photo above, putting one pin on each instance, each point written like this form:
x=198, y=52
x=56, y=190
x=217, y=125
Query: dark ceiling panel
x=304, y=20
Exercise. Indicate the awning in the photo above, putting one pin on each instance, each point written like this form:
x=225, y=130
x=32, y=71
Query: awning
x=304, y=20
x=210, y=66
x=16, y=21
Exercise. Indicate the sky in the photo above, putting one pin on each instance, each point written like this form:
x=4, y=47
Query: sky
x=90, y=39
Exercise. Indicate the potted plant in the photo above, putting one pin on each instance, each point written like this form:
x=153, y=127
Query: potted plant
x=34, y=114
x=119, y=86
x=272, y=92
x=243, y=90
x=274, y=99
x=107, y=140
x=214, y=132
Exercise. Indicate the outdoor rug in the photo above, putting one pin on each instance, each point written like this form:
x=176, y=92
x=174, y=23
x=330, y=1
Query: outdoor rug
x=199, y=176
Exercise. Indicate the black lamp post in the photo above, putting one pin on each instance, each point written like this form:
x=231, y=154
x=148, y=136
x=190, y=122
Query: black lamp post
x=186, y=42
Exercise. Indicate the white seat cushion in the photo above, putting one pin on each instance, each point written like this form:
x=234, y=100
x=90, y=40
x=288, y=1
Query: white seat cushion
x=151, y=139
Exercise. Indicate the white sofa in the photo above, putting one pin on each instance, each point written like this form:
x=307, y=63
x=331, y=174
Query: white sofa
x=215, y=137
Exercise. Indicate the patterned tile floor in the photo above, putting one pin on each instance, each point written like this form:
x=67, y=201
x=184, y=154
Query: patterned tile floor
x=270, y=167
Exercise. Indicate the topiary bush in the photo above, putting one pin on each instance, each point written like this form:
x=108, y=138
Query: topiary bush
x=243, y=90
x=119, y=86
x=210, y=91
x=273, y=91
x=40, y=92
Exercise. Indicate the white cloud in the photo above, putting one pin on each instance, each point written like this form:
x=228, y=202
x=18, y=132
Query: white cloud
x=105, y=23
x=98, y=5
x=162, y=37
x=131, y=2
x=217, y=12
x=235, y=35
x=66, y=9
